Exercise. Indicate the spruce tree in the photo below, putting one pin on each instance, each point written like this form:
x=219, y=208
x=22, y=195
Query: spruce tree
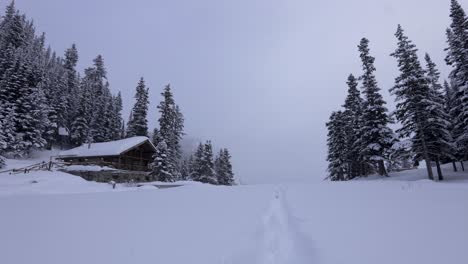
x=352, y=116
x=376, y=137
x=138, y=124
x=450, y=106
x=171, y=125
x=100, y=104
x=457, y=57
x=80, y=127
x=72, y=84
x=207, y=165
x=196, y=166
x=223, y=168
x=413, y=96
x=117, y=117
x=336, y=143
x=440, y=142
x=161, y=170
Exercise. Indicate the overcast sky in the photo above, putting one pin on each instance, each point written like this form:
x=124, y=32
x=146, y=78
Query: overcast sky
x=259, y=77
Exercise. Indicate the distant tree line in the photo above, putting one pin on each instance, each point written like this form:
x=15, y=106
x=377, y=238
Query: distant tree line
x=433, y=118
x=45, y=102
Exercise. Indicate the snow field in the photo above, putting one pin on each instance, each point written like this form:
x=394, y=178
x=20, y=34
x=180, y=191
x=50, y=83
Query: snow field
x=65, y=219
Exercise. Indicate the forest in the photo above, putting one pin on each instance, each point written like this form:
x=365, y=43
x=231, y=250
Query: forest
x=45, y=102
x=431, y=115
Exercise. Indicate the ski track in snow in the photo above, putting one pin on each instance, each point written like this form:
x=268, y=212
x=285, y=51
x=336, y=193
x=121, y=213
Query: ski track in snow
x=278, y=239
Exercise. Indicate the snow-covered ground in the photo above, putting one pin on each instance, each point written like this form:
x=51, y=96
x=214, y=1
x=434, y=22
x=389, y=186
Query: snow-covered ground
x=403, y=219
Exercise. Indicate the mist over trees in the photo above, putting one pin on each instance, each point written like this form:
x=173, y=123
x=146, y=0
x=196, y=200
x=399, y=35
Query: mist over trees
x=432, y=118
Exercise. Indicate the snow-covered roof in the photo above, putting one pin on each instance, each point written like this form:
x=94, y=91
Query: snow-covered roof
x=112, y=148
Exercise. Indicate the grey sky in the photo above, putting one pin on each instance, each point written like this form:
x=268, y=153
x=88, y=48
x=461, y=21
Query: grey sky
x=257, y=76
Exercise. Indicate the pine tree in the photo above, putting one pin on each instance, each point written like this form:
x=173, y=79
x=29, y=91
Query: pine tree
x=207, y=165
x=138, y=124
x=450, y=107
x=413, y=95
x=117, y=117
x=440, y=140
x=376, y=137
x=223, y=168
x=101, y=103
x=80, y=127
x=196, y=166
x=457, y=57
x=352, y=117
x=72, y=84
x=156, y=137
x=171, y=125
x=336, y=141
x=161, y=170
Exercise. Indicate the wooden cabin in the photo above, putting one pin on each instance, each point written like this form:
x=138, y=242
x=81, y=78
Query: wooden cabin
x=135, y=153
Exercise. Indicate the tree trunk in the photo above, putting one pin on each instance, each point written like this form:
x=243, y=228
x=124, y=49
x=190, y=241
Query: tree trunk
x=454, y=166
x=462, y=165
x=426, y=158
x=439, y=171
x=382, y=170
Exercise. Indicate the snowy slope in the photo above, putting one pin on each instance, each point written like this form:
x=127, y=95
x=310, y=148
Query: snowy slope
x=362, y=222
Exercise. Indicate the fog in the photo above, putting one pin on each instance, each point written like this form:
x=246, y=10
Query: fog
x=259, y=77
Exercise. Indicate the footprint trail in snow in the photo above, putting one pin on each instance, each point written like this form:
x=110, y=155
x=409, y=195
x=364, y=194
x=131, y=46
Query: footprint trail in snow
x=278, y=239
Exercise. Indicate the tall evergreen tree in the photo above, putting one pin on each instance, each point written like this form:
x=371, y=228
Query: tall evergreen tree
x=352, y=117
x=72, y=84
x=161, y=170
x=413, y=95
x=336, y=143
x=223, y=168
x=171, y=125
x=457, y=57
x=101, y=102
x=450, y=107
x=207, y=166
x=440, y=141
x=138, y=124
x=376, y=137
x=80, y=127
x=196, y=166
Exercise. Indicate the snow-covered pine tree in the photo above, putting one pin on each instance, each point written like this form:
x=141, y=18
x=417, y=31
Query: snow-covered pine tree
x=138, y=124
x=207, y=165
x=171, y=125
x=196, y=166
x=376, y=137
x=54, y=86
x=223, y=168
x=156, y=137
x=352, y=116
x=100, y=104
x=80, y=127
x=161, y=170
x=336, y=142
x=117, y=117
x=450, y=102
x=7, y=131
x=72, y=84
x=457, y=57
x=440, y=142
x=413, y=96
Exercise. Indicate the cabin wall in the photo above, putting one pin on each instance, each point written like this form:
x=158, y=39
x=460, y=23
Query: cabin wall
x=119, y=162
